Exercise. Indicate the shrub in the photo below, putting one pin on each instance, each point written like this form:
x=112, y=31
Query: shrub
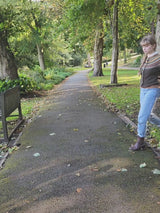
x=47, y=86
x=26, y=84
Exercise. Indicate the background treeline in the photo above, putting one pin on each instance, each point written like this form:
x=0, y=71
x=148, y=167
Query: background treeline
x=41, y=39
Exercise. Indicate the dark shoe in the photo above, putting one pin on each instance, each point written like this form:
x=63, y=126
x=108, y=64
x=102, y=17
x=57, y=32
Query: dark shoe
x=139, y=145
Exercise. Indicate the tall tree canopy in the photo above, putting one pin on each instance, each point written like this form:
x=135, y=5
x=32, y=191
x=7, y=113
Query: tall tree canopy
x=43, y=28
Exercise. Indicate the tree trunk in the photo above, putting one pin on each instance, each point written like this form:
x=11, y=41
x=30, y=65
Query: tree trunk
x=125, y=55
x=8, y=68
x=98, y=52
x=158, y=27
x=40, y=57
x=89, y=60
x=115, y=44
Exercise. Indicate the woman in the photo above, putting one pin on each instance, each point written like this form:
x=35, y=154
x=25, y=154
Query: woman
x=150, y=87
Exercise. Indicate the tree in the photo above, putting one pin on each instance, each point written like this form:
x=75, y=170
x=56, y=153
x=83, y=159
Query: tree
x=85, y=21
x=8, y=68
x=136, y=18
x=115, y=43
x=98, y=51
x=39, y=41
x=158, y=27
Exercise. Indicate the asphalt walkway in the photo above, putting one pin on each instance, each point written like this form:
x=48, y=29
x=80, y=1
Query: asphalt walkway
x=74, y=158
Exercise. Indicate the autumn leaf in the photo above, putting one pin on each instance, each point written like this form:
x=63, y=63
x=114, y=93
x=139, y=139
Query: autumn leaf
x=122, y=170
x=95, y=169
x=142, y=165
x=79, y=190
x=156, y=171
x=36, y=154
x=75, y=129
x=78, y=174
x=53, y=133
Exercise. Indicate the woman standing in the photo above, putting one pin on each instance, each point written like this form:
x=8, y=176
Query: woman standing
x=150, y=87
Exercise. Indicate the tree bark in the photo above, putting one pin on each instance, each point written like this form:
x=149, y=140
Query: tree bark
x=40, y=57
x=8, y=68
x=125, y=55
x=158, y=27
x=115, y=44
x=98, y=52
x=89, y=60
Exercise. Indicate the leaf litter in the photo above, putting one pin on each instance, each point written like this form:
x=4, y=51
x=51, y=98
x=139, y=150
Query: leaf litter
x=53, y=133
x=36, y=154
x=156, y=171
x=143, y=165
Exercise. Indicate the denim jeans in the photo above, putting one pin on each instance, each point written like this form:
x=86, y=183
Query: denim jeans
x=147, y=100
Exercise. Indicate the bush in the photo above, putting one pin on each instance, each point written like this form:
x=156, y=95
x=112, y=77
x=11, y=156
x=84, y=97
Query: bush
x=44, y=79
x=36, y=79
x=26, y=84
x=47, y=86
x=36, y=74
x=56, y=75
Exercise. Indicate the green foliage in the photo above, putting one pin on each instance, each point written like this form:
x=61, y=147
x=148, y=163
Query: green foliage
x=26, y=84
x=45, y=80
x=137, y=62
x=36, y=79
x=36, y=74
x=135, y=20
x=56, y=75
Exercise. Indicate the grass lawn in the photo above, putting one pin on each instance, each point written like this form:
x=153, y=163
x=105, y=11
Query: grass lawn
x=123, y=98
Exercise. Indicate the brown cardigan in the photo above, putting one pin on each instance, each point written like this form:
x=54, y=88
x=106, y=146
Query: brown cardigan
x=150, y=72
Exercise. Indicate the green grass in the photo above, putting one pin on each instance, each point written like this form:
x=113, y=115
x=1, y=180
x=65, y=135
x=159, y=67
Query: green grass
x=124, y=98
x=29, y=110
x=28, y=106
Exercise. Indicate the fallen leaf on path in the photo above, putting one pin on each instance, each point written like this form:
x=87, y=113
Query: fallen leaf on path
x=95, y=169
x=79, y=190
x=28, y=147
x=36, y=154
x=143, y=165
x=75, y=130
x=122, y=170
x=156, y=171
x=53, y=133
x=78, y=174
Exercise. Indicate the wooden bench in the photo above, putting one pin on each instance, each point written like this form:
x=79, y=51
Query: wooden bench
x=9, y=102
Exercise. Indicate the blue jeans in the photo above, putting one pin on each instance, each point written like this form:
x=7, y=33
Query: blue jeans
x=147, y=100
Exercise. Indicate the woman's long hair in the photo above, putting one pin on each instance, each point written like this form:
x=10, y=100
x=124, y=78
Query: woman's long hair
x=148, y=39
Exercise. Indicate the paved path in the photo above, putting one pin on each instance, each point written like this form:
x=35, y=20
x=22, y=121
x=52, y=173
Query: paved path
x=84, y=164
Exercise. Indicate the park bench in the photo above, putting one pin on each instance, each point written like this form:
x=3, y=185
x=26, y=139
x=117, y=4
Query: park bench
x=9, y=102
